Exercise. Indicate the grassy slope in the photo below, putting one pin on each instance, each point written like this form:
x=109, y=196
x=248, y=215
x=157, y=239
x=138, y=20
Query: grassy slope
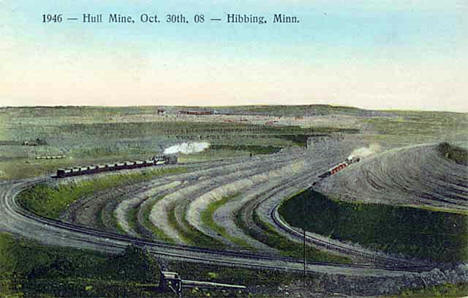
x=207, y=219
x=457, y=154
x=293, y=249
x=51, y=201
x=289, y=248
x=419, y=123
x=88, y=142
x=445, y=290
x=89, y=135
x=30, y=269
x=415, y=232
x=190, y=234
x=159, y=234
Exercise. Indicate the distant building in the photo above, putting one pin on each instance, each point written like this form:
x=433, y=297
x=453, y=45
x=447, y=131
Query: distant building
x=198, y=113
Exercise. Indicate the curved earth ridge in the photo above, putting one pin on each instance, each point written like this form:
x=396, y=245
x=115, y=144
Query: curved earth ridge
x=52, y=232
x=134, y=201
x=416, y=175
x=15, y=220
x=178, y=201
x=253, y=183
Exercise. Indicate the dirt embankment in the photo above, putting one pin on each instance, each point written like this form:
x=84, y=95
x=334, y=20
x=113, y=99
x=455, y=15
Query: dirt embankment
x=416, y=175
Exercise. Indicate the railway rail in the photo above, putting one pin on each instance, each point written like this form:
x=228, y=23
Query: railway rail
x=333, y=245
x=348, y=250
x=15, y=219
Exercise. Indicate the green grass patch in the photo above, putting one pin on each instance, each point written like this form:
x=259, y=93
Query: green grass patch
x=419, y=123
x=158, y=233
x=445, y=290
x=190, y=235
x=87, y=287
x=100, y=219
x=293, y=249
x=438, y=209
x=30, y=269
x=247, y=277
x=457, y=154
x=207, y=219
x=51, y=201
x=132, y=218
x=116, y=224
x=29, y=259
x=210, y=155
x=287, y=247
x=254, y=149
x=415, y=232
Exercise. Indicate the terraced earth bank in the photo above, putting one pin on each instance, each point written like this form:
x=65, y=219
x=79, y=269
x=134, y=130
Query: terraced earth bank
x=419, y=233
x=211, y=205
x=411, y=200
x=416, y=175
x=232, y=204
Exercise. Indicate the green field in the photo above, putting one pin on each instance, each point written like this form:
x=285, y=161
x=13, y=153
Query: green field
x=97, y=135
x=91, y=135
x=287, y=247
x=415, y=232
x=51, y=201
x=30, y=269
x=445, y=290
x=207, y=219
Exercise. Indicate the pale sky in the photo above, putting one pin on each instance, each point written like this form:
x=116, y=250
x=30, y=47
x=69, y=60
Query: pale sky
x=376, y=54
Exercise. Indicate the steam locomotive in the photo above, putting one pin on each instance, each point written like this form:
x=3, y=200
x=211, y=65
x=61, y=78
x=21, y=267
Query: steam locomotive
x=155, y=161
x=348, y=161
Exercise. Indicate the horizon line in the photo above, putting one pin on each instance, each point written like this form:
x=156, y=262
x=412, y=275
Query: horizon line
x=228, y=106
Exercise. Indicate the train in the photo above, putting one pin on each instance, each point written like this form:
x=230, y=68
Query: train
x=127, y=165
x=348, y=161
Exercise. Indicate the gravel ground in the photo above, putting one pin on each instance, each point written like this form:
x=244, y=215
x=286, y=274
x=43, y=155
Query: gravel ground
x=134, y=201
x=249, y=187
x=408, y=175
x=415, y=175
x=206, y=181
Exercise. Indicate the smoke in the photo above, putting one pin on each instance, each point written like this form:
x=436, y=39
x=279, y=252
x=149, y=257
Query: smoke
x=365, y=151
x=187, y=148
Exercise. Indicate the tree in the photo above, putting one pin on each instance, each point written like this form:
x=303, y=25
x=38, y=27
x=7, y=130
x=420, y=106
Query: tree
x=136, y=264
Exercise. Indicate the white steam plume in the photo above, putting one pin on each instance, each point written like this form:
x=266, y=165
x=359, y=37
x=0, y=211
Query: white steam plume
x=365, y=151
x=187, y=148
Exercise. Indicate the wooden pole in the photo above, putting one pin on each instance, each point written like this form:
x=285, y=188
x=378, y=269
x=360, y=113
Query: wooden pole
x=304, y=230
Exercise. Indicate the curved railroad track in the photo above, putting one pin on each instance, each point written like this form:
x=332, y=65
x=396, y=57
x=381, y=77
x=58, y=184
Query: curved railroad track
x=17, y=220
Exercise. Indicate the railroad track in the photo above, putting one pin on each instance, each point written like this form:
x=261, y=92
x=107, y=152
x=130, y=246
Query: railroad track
x=15, y=219
x=345, y=249
x=330, y=245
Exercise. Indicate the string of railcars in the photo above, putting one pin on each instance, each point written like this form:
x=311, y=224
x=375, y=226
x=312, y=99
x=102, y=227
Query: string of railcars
x=340, y=166
x=127, y=165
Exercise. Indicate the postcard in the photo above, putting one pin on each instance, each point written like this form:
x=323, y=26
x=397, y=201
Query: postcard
x=233, y=148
